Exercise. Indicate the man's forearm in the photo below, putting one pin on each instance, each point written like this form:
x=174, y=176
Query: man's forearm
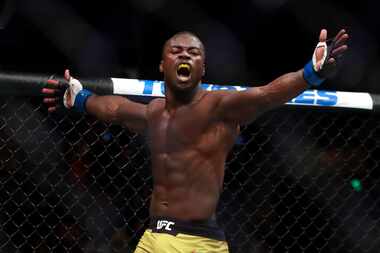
x=284, y=88
x=255, y=101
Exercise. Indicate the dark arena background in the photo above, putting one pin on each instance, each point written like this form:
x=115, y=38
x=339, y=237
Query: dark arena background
x=299, y=179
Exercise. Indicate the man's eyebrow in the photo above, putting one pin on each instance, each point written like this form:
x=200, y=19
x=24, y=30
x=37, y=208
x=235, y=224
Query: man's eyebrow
x=191, y=47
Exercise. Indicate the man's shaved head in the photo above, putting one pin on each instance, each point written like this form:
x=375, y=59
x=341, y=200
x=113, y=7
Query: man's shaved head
x=180, y=34
x=183, y=62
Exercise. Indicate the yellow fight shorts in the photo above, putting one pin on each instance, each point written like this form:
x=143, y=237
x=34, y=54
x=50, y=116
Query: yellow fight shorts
x=167, y=235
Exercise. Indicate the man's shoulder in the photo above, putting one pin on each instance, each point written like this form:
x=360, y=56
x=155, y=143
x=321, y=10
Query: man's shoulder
x=155, y=106
x=219, y=93
x=216, y=96
x=156, y=102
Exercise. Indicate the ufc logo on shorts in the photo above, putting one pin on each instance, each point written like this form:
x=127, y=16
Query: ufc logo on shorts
x=164, y=224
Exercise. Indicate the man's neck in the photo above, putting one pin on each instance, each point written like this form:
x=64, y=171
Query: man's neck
x=174, y=99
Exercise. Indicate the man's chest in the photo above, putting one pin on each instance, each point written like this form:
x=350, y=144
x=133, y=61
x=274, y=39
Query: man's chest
x=185, y=128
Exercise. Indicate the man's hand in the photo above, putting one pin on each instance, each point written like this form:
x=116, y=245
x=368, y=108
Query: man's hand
x=66, y=92
x=325, y=58
x=328, y=52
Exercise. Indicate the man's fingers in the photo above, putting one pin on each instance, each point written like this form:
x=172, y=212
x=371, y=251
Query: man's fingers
x=341, y=40
x=323, y=35
x=340, y=33
x=49, y=91
x=52, y=109
x=50, y=100
x=52, y=83
x=331, y=61
x=54, y=92
x=338, y=51
x=55, y=84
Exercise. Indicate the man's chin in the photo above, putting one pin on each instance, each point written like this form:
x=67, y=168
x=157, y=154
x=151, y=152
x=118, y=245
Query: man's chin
x=184, y=80
x=184, y=86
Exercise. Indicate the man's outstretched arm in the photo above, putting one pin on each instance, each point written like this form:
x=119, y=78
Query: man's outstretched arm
x=114, y=109
x=118, y=110
x=244, y=106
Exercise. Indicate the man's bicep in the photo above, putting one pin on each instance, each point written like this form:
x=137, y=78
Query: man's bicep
x=241, y=106
x=133, y=115
x=118, y=109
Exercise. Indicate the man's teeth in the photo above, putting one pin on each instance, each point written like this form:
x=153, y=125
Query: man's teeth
x=186, y=66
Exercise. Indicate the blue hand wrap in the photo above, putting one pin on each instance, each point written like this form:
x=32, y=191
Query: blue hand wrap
x=310, y=76
x=80, y=100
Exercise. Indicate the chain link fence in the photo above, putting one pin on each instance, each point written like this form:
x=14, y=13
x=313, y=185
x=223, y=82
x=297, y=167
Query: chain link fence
x=69, y=183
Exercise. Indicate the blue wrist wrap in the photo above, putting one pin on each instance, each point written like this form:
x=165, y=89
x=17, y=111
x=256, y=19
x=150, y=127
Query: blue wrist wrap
x=80, y=100
x=310, y=76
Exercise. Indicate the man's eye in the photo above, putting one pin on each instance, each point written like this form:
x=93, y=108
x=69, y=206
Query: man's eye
x=195, y=52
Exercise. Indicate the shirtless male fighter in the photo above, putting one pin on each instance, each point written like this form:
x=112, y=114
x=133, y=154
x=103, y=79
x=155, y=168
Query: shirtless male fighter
x=190, y=133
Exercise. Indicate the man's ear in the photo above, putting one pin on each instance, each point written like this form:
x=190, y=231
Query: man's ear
x=204, y=70
x=161, y=68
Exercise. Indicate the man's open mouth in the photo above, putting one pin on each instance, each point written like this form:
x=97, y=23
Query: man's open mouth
x=184, y=70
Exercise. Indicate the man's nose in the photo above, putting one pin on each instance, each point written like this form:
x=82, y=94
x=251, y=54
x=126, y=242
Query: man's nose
x=184, y=55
